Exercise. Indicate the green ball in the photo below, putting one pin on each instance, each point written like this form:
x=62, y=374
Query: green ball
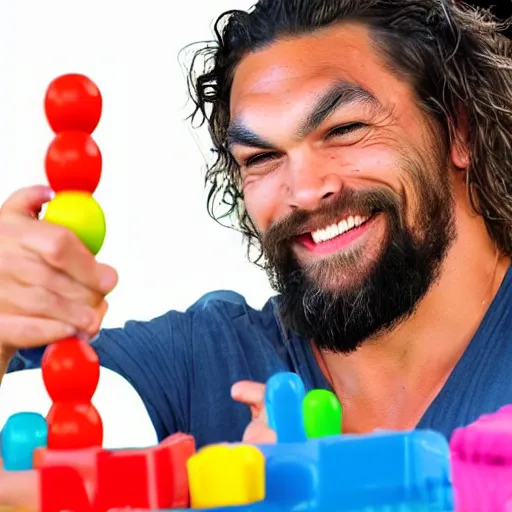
x=79, y=212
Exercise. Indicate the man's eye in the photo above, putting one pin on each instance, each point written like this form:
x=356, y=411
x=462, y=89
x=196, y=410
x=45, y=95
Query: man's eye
x=345, y=129
x=259, y=159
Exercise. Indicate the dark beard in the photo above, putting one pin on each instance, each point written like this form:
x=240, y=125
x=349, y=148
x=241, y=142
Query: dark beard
x=340, y=321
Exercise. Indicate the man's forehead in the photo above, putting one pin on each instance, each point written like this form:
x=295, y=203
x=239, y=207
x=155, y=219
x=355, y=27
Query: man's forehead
x=311, y=62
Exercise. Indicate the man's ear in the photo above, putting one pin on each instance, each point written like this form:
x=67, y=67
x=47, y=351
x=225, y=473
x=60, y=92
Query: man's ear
x=459, y=150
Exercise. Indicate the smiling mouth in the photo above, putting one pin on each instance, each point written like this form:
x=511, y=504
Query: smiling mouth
x=335, y=230
x=337, y=236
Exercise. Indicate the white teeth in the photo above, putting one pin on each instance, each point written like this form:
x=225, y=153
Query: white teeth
x=334, y=230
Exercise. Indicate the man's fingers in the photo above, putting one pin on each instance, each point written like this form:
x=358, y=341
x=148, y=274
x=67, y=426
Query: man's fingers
x=29, y=270
x=248, y=392
x=20, y=490
x=61, y=248
x=28, y=332
x=27, y=202
x=258, y=432
x=251, y=394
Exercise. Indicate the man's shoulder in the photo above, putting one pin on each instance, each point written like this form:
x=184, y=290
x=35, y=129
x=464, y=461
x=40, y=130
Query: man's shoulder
x=218, y=312
x=226, y=315
x=228, y=300
x=231, y=306
x=223, y=313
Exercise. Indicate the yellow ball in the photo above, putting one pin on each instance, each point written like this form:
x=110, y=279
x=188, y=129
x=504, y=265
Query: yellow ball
x=79, y=212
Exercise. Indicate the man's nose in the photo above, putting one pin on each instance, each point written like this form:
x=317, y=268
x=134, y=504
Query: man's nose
x=310, y=184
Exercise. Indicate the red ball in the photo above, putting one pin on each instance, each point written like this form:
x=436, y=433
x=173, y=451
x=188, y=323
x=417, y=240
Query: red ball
x=73, y=162
x=73, y=102
x=72, y=426
x=71, y=371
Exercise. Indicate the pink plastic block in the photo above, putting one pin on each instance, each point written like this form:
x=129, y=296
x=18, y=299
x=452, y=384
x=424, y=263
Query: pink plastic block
x=481, y=456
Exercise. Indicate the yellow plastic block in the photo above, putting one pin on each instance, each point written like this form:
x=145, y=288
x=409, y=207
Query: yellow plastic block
x=223, y=476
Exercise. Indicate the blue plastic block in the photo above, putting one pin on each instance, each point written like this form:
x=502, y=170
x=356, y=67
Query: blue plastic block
x=402, y=472
x=283, y=400
x=262, y=506
x=291, y=474
x=386, y=469
x=21, y=435
x=270, y=507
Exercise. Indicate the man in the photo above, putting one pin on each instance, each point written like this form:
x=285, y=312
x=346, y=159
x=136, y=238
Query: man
x=366, y=148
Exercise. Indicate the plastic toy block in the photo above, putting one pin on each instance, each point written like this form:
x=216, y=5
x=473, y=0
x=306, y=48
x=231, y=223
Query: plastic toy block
x=291, y=473
x=322, y=414
x=417, y=474
x=173, y=454
x=223, y=475
x=481, y=456
x=401, y=471
x=22, y=434
x=123, y=480
x=261, y=506
x=62, y=489
x=149, y=479
x=271, y=507
x=283, y=400
x=83, y=461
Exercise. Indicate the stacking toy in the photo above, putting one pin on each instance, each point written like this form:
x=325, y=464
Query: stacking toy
x=73, y=164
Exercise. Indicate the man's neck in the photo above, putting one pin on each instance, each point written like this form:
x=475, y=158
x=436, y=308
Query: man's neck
x=391, y=380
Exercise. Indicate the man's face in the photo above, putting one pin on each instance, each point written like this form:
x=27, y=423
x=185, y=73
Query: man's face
x=346, y=181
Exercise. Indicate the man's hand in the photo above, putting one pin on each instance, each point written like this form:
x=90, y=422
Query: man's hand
x=252, y=394
x=19, y=491
x=51, y=286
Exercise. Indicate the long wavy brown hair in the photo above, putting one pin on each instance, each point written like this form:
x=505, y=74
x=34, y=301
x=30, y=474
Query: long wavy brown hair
x=456, y=58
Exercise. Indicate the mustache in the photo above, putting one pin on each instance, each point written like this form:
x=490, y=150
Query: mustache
x=364, y=203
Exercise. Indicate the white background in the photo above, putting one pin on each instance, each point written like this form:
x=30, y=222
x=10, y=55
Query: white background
x=160, y=238
x=166, y=248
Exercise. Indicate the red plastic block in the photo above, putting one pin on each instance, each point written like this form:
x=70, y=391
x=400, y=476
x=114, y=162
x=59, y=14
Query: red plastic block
x=173, y=454
x=83, y=461
x=62, y=488
x=153, y=478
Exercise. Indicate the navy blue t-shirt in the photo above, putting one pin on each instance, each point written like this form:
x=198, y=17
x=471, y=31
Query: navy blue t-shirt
x=183, y=365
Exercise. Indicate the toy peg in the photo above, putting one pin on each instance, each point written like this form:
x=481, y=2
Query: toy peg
x=322, y=414
x=283, y=399
x=23, y=433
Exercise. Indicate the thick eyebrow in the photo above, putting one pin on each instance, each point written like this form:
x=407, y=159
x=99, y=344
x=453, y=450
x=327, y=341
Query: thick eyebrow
x=339, y=95
x=240, y=134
